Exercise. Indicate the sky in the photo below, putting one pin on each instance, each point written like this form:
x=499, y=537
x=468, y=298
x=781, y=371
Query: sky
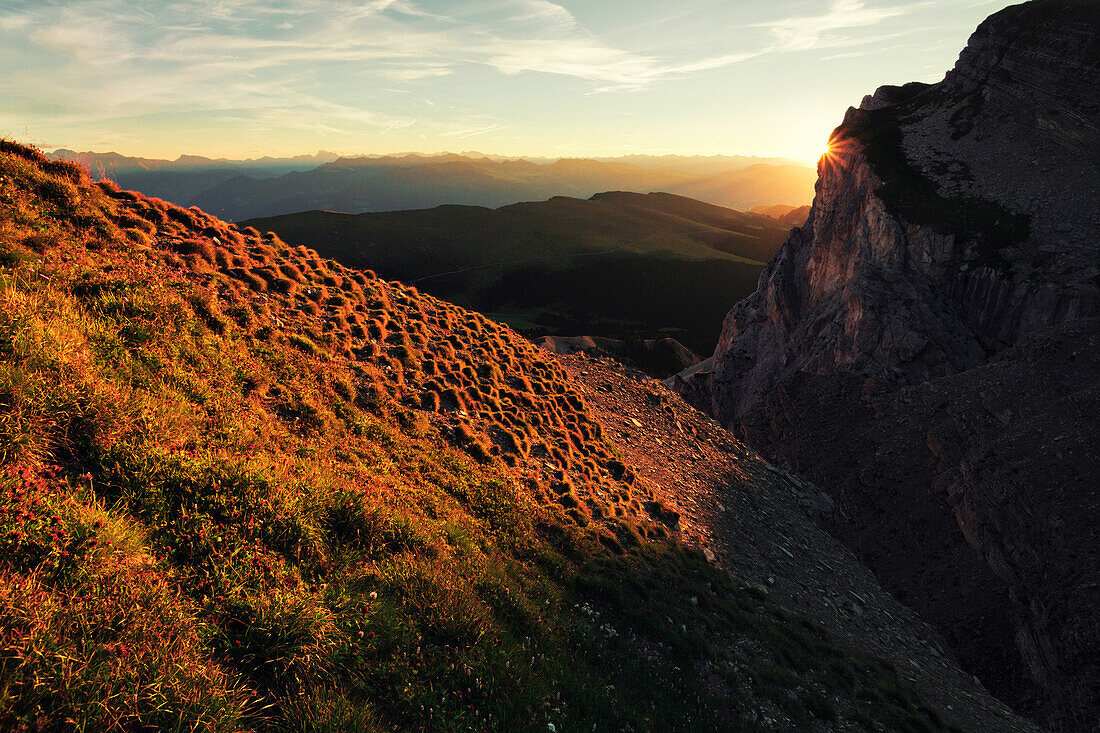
x=247, y=78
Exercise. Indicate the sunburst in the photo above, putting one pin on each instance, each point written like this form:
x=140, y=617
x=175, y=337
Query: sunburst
x=836, y=151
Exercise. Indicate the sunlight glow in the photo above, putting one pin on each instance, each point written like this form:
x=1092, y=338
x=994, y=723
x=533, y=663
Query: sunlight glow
x=836, y=151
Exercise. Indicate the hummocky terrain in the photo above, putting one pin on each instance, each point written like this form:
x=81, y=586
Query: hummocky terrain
x=616, y=265
x=243, y=487
x=925, y=349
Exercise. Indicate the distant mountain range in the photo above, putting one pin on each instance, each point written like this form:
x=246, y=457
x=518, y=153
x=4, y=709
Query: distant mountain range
x=617, y=264
x=183, y=179
x=241, y=189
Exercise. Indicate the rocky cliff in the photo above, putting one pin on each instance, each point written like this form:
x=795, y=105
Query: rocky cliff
x=906, y=348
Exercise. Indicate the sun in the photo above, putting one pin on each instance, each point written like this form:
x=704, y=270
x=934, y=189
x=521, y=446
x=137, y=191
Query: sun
x=836, y=151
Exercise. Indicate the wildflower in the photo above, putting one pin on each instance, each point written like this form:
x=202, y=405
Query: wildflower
x=374, y=595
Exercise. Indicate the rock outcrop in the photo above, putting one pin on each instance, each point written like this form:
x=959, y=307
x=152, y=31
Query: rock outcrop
x=907, y=350
x=656, y=357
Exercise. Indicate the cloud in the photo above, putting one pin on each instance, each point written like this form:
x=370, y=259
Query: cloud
x=803, y=33
x=14, y=22
x=543, y=16
x=414, y=73
x=102, y=56
x=564, y=48
x=461, y=134
x=572, y=51
x=581, y=59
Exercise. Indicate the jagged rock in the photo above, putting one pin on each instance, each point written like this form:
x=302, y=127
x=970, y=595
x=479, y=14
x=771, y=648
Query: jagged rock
x=658, y=357
x=934, y=267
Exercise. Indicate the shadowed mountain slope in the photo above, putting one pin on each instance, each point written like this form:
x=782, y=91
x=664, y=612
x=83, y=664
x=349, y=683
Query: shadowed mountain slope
x=656, y=357
x=615, y=265
x=925, y=348
x=243, y=487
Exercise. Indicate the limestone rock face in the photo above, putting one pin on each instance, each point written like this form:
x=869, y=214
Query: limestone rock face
x=948, y=221
x=952, y=240
x=854, y=289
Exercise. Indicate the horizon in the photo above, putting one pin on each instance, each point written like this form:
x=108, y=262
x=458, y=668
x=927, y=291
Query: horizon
x=241, y=79
x=471, y=154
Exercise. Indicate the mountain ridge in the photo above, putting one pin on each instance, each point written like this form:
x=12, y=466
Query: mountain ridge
x=265, y=186
x=948, y=240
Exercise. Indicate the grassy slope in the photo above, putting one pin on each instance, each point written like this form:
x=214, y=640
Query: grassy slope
x=243, y=487
x=614, y=265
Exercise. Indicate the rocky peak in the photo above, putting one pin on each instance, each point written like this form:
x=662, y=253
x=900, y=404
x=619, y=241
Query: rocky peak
x=1037, y=63
x=943, y=228
x=951, y=249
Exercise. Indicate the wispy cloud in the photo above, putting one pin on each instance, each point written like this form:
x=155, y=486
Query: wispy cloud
x=562, y=46
x=462, y=134
x=14, y=22
x=107, y=59
x=572, y=51
x=216, y=42
x=803, y=33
